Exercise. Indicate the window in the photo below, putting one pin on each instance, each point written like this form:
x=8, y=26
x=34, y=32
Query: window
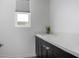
x=23, y=14
x=23, y=19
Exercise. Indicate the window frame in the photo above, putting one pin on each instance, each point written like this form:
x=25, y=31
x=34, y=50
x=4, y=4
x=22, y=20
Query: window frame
x=29, y=19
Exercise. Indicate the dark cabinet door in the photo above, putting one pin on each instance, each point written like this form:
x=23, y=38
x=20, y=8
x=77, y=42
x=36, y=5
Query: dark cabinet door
x=59, y=53
x=43, y=49
x=47, y=50
x=44, y=53
x=38, y=47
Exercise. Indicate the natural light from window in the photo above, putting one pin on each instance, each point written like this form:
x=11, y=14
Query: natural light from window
x=22, y=17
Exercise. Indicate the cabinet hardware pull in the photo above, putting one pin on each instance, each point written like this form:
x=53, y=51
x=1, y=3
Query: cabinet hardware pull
x=46, y=47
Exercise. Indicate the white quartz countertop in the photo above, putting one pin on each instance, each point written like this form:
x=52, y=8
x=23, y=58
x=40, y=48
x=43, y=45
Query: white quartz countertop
x=67, y=42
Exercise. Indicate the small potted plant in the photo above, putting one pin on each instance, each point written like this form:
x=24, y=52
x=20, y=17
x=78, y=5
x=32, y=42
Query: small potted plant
x=48, y=30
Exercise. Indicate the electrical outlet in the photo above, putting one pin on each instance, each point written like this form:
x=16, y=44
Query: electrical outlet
x=1, y=45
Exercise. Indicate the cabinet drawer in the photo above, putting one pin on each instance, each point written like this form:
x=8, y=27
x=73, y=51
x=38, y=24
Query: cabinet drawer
x=51, y=53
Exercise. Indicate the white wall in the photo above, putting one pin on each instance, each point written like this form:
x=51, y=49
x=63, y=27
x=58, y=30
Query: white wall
x=19, y=42
x=64, y=16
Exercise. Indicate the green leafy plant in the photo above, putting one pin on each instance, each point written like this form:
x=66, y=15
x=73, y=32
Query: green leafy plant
x=48, y=30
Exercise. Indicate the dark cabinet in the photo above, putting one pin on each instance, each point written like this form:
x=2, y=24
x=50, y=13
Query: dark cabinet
x=47, y=50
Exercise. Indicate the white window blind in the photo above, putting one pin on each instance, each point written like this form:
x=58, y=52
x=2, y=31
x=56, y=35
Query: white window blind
x=22, y=6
